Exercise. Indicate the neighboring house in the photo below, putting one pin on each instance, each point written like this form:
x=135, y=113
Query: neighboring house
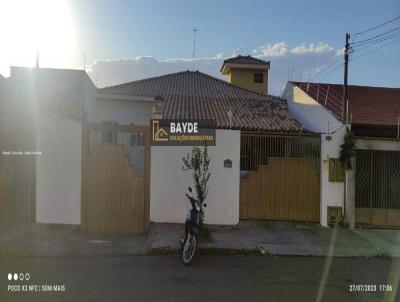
x=373, y=186
x=42, y=111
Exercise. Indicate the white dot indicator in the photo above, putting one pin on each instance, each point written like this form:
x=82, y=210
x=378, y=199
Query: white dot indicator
x=15, y=276
x=9, y=276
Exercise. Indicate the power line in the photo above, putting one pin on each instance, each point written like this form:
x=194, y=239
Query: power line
x=375, y=27
x=375, y=37
x=375, y=42
x=325, y=73
x=375, y=49
x=324, y=70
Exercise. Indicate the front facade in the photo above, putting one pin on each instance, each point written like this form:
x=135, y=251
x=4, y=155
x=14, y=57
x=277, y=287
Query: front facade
x=97, y=168
x=373, y=185
x=241, y=116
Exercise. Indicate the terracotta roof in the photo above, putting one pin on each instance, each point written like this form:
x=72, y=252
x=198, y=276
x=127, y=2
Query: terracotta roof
x=190, y=94
x=377, y=106
x=246, y=60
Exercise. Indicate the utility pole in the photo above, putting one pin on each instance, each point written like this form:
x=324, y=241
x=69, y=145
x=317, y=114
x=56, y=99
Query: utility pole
x=345, y=119
x=346, y=70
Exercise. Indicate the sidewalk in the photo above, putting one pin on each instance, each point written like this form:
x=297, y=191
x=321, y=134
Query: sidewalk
x=255, y=237
x=51, y=240
x=287, y=239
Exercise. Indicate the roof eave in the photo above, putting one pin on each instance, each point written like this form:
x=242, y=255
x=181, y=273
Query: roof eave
x=226, y=67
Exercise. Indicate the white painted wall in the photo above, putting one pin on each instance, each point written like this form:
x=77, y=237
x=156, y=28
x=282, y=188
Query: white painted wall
x=58, y=190
x=124, y=111
x=89, y=98
x=309, y=112
x=169, y=183
x=332, y=193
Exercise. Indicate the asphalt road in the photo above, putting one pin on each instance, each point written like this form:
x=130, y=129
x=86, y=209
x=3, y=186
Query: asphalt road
x=210, y=278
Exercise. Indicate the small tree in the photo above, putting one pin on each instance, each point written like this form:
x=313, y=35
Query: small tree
x=347, y=151
x=198, y=162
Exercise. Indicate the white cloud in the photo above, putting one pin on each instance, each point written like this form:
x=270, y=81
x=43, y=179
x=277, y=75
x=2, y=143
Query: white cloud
x=302, y=60
x=240, y=51
x=312, y=48
x=274, y=50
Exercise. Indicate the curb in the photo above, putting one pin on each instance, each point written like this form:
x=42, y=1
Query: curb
x=171, y=251
x=209, y=251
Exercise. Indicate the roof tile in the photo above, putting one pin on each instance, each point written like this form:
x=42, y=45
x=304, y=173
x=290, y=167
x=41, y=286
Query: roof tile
x=368, y=105
x=191, y=94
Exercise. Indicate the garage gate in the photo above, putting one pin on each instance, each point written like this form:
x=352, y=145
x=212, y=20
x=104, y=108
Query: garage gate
x=377, y=195
x=280, y=177
x=115, y=194
x=17, y=171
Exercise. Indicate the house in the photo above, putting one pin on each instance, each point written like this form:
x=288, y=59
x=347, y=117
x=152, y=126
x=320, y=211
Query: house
x=256, y=118
x=94, y=165
x=42, y=112
x=373, y=186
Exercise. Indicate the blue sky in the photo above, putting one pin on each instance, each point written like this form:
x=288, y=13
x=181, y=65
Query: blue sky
x=155, y=37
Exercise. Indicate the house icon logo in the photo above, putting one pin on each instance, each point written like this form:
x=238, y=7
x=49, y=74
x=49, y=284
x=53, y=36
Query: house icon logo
x=159, y=134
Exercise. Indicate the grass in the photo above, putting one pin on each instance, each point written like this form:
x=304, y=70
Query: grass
x=205, y=234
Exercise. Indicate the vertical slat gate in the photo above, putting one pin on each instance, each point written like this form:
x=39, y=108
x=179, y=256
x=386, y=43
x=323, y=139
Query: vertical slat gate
x=17, y=171
x=377, y=195
x=116, y=169
x=280, y=177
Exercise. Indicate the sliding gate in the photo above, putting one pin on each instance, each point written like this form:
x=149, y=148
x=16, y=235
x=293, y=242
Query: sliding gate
x=280, y=177
x=378, y=188
x=116, y=178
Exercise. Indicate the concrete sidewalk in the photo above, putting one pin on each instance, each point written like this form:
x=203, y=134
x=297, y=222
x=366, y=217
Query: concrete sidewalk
x=255, y=237
x=287, y=239
x=51, y=240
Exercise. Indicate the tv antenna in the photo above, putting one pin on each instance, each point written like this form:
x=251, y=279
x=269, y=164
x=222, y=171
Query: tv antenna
x=194, y=45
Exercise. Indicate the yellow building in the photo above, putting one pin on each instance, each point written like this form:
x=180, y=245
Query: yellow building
x=247, y=72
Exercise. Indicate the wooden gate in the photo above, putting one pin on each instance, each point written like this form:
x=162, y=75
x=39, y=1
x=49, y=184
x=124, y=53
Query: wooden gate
x=17, y=171
x=116, y=170
x=377, y=195
x=280, y=178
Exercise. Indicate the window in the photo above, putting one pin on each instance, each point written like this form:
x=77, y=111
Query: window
x=258, y=77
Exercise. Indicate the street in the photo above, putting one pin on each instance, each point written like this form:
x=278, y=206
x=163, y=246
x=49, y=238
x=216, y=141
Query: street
x=209, y=278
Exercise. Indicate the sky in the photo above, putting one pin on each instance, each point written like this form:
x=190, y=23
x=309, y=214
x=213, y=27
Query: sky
x=119, y=41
